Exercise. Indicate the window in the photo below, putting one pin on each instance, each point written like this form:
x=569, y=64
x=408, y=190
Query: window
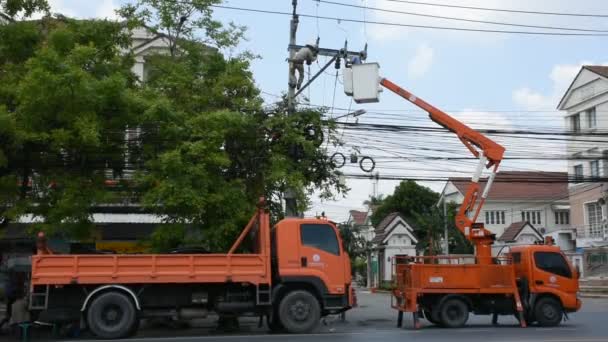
x=575, y=123
x=578, y=173
x=321, y=236
x=552, y=263
x=591, y=118
x=533, y=217
x=562, y=217
x=594, y=218
x=495, y=217
x=595, y=168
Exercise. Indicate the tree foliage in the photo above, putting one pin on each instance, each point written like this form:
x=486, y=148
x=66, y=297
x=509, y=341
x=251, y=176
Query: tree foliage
x=200, y=149
x=418, y=205
x=65, y=99
x=25, y=8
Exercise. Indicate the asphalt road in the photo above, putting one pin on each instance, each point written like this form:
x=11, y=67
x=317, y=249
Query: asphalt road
x=375, y=321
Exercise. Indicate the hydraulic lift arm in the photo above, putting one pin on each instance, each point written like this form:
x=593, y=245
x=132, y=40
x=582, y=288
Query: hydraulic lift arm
x=490, y=155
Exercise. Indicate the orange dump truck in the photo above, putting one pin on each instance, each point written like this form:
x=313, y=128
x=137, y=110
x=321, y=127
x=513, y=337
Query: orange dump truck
x=293, y=274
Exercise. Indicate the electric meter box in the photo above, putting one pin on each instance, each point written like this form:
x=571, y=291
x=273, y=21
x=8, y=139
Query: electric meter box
x=365, y=82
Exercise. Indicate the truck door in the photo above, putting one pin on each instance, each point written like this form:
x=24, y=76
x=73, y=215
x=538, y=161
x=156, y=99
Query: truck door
x=553, y=272
x=322, y=255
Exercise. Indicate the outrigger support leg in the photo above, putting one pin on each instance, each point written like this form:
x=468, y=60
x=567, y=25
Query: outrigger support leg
x=522, y=319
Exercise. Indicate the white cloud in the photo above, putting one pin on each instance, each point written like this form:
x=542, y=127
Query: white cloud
x=483, y=120
x=106, y=10
x=561, y=77
x=420, y=64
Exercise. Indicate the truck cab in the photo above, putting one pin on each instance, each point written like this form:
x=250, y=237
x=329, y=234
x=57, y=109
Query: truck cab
x=547, y=281
x=309, y=253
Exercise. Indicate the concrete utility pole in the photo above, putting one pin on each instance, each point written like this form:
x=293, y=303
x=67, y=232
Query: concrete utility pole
x=445, y=226
x=293, y=29
x=291, y=208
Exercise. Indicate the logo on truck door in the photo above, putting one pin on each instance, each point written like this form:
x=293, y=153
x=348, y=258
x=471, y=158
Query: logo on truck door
x=316, y=258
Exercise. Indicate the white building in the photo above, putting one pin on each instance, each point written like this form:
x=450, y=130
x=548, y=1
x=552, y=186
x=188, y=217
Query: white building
x=362, y=221
x=146, y=43
x=394, y=236
x=540, y=198
x=586, y=106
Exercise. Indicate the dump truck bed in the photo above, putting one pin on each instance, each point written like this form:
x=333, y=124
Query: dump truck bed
x=425, y=276
x=156, y=268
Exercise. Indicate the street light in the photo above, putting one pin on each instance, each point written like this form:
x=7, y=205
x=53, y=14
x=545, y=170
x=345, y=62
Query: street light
x=356, y=113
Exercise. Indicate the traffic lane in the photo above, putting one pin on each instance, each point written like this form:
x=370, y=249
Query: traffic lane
x=430, y=335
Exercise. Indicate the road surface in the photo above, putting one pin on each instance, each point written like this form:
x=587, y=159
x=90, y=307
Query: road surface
x=375, y=321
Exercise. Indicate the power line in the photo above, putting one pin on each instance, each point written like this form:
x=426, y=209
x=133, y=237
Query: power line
x=444, y=28
x=502, y=9
x=459, y=19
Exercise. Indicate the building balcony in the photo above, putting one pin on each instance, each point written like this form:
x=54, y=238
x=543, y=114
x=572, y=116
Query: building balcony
x=592, y=235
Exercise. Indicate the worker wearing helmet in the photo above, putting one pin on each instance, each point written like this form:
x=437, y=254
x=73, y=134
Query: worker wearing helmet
x=306, y=54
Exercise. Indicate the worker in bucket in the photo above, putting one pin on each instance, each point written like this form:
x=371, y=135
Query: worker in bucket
x=308, y=54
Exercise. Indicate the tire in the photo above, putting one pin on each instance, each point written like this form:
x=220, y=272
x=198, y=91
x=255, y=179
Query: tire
x=112, y=315
x=453, y=313
x=299, y=312
x=548, y=312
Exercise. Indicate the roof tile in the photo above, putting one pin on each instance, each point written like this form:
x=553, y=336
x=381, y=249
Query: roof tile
x=598, y=69
x=522, y=185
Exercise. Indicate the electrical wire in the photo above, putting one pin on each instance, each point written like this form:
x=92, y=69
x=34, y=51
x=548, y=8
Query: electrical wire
x=444, y=28
x=460, y=19
x=592, y=15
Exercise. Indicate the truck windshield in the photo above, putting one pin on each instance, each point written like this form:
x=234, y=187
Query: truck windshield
x=553, y=263
x=321, y=236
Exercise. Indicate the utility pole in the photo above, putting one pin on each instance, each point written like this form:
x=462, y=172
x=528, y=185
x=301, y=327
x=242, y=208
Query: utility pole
x=291, y=208
x=293, y=29
x=445, y=226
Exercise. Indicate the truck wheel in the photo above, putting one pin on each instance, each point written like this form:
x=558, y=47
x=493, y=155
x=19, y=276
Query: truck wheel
x=299, y=312
x=548, y=312
x=112, y=315
x=454, y=313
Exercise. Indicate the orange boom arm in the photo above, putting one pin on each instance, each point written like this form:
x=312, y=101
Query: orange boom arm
x=490, y=155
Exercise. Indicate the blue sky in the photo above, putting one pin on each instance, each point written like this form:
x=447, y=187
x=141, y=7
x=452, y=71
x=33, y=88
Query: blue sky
x=487, y=80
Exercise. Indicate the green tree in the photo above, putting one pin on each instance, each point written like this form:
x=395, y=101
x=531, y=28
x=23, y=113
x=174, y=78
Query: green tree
x=409, y=198
x=66, y=94
x=204, y=148
x=25, y=8
x=418, y=205
x=209, y=149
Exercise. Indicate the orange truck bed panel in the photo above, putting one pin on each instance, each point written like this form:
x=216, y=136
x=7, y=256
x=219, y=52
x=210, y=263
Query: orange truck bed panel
x=142, y=269
x=413, y=280
x=473, y=277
